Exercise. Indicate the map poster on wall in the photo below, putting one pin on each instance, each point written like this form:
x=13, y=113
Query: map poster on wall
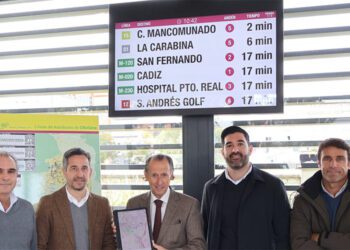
x=196, y=58
x=39, y=141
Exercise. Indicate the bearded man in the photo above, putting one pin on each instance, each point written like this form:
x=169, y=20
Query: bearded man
x=244, y=207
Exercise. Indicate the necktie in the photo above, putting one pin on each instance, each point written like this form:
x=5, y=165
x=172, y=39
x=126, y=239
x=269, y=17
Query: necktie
x=157, y=219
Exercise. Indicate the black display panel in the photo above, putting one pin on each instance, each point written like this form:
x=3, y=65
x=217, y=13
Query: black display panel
x=196, y=57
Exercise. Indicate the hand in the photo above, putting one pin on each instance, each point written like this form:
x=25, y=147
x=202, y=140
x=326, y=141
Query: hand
x=158, y=247
x=114, y=228
x=315, y=236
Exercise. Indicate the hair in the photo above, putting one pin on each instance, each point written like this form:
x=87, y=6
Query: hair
x=8, y=155
x=72, y=152
x=159, y=157
x=231, y=130
x=333, y=142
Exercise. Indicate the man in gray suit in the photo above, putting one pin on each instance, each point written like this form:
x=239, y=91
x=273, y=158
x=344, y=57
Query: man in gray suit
x=181, y=223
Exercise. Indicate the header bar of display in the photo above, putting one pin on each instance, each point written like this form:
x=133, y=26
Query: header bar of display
x=192, y=20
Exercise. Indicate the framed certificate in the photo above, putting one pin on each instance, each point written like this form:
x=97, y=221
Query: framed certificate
x=133, y=232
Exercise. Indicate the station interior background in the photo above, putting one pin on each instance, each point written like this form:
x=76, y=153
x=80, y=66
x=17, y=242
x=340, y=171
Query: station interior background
x=54, y=60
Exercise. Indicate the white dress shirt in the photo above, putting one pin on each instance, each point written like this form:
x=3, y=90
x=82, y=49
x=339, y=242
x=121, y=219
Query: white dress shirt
x=236, y=182
x=73, y=200
x=165, y=199
x=13, y=199
x=337, y=194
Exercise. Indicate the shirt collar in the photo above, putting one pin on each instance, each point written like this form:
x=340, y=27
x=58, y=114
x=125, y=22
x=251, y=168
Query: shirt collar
x=164, y=198
x=73, y=200
x=236, y=182
x=13, y=199
x=338, y=193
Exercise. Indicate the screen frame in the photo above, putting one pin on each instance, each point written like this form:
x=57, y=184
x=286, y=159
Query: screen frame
x=144, y=213
x=166, y=9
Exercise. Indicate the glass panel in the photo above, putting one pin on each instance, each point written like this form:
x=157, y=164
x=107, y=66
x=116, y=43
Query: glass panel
x=316, y=21
x=139, y=156
x=123, y=177
x=134, y=121
x=303, y=3
x=52, y=101
x=134, y=143
x=132, y=177
x=21, y=82
x=52, y=5
x=325, y=87
x=59, y=4
x=296, y=65
x=326, y=109
x=316, y=42
x=297, y=133
x=70, y=19
x=148, y=135
x=119, y=198
x=58, y=40
x=54, y=61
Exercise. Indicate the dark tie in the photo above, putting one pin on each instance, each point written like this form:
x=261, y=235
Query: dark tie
x=157, y=220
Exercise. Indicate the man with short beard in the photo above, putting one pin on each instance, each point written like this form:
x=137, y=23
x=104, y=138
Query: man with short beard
x=244, y=207
x=73, y=218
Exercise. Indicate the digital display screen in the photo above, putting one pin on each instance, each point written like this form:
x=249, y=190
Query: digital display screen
x=223, y=63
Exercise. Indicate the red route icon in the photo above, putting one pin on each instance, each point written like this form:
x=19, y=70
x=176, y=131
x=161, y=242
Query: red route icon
x=229, y=57
x=229, y=71
x=230, y=27
x=125, y=104
x=229, y=100
x=229, y=86
x=229, y=42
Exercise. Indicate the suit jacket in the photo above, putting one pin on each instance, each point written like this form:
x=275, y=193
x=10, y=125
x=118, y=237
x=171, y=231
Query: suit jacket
x=263, y=214
x=310, y=215
x=55, y=225
x=182, y=225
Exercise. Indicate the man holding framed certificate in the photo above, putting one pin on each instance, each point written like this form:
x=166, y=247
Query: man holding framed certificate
x=175, y=218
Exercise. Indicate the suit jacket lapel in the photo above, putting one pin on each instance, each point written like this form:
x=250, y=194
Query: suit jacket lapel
x=170, y=212
x=92, y=213
x=145, y=201
x=63, y=206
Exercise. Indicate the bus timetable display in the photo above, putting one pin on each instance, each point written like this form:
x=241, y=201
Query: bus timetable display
x=225, y=63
